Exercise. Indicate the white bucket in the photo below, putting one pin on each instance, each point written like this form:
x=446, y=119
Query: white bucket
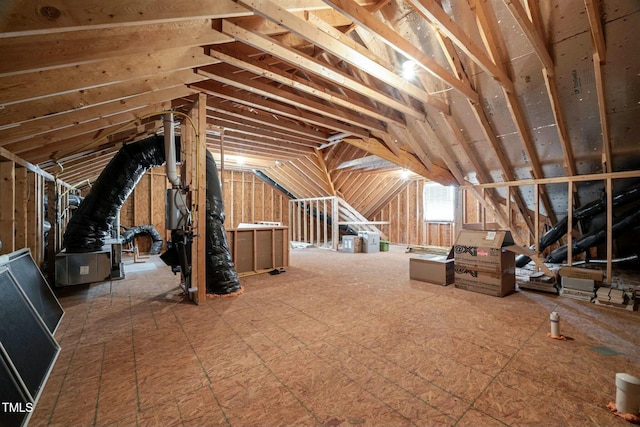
x=555, y=324
x=627, y=394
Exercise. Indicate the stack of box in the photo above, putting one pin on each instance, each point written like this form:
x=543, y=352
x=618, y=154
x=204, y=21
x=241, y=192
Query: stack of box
x=432, y=268
x=370, y=241
x=616, y=298
x=579, y=283
x=482, y=264
x=536, y=280
x=351, y=244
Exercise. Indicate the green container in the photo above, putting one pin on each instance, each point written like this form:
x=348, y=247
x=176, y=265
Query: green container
x=384, y=246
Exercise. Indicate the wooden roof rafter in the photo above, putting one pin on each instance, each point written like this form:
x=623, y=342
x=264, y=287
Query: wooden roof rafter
x=367, y=20
x=341, y=120
x=569, y=165
x=306, y=85
x=259, y=126
x=327, y=175
x=265, y=120
x=312, y=65
x=599, y=60
x=488, y=25
x=433, y=12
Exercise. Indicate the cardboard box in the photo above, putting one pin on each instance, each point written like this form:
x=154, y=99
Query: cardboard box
x=351, y=244
x=370, y=241
x=582, y=273
x=577, y=294
x=587, y=285
x=498, y=284
x=437, y=269
x=482, y=264
x=483, y=250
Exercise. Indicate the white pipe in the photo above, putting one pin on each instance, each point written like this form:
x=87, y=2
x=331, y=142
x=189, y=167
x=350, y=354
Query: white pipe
x=170, y=150
x=627, y=394
x=555, y=324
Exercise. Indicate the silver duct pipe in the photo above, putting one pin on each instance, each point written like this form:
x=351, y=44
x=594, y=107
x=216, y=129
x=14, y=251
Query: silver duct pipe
x=170, y=150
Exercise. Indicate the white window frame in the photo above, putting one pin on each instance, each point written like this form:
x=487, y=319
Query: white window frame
x=438, y=202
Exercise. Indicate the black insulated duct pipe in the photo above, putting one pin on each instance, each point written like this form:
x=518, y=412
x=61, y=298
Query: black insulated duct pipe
x=144, y=230
x=587, y=211
x=90, y=224
x=595, y=237
x=222, y=278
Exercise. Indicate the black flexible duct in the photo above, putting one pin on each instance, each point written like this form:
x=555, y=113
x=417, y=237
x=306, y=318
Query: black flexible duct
x=89, y=226
x=221, y=274
x=144, y=230
x=583, y=212
x=591, y=239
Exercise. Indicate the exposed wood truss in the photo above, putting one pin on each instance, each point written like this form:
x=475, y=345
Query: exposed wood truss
x=314, y=95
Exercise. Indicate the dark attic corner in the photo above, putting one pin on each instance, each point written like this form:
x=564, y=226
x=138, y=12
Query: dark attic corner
x=336, y=212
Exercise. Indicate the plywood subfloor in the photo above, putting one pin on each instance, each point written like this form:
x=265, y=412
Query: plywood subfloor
x=338, y=339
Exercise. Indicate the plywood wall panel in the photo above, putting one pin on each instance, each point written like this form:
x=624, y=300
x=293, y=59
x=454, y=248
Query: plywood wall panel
x=22, y=194
x=404, y=212
x=7, y=201
x=159, y=185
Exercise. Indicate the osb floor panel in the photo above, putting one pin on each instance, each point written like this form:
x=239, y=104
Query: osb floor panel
x=337, y=340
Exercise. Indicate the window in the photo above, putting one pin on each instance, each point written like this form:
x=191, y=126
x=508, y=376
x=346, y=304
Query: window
x=438, y=202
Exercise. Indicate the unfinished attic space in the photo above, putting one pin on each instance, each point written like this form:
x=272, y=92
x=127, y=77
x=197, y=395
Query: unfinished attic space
x=319, y=213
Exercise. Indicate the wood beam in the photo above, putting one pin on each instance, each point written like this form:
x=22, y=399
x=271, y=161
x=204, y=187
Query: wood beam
x=216, y=108
x=597, y=33
x=72, y=121
x=11, y=157
x=434, y=13
x=532, y=33
x=491, y=203
x=52, y=106
x=44, y=51
x=602, y=110
x=313, y=65
x=393, y=39
x=492, y=31
x=84, y=77
x=198, y=199
x=568, y=161
x=261, y=67
x=244, y=127
x=407, y=160
x=323, y=115
x=8, y=203
x=323, y=167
